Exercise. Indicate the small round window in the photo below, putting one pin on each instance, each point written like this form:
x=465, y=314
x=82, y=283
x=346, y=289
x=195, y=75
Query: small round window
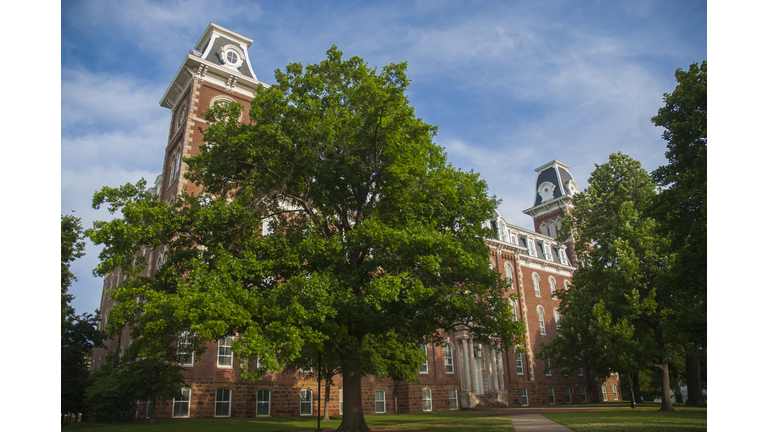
x=231, y=57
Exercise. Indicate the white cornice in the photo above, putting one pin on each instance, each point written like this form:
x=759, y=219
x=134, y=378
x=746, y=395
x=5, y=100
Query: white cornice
x=544, y=265
x=562, y=202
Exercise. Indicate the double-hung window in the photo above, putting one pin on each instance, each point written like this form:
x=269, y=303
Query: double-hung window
x=225, y=352
x=542, y=329
x=424, y=368
x=583, y=394
x=536, y=285
x=381, y=405
x=519, y=362
x=426, y=398
x=184, y=349
x=181, y=403
x=449, y=358
x=223, y=402
x=524, y=396
x=551, y=396
x=605, y=394
x=568, y=395
x=263, y=397
x=553, y=288
x=615, y=393
x=306, y=402
x=453, y=399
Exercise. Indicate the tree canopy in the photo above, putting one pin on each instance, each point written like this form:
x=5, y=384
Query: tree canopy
x=332, y=220
x=78, y=332
x=619, y=310
x=681, y=207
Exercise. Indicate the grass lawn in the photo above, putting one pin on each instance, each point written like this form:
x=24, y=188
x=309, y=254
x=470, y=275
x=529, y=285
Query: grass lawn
x=424, y=422
x=636, y=420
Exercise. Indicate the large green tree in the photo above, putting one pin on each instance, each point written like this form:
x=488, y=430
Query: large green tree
x=78, y=332
x=372, y=242
x=618, y=313
x=681, y=209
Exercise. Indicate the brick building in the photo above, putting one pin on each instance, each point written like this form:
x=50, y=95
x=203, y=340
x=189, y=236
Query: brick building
x=462, y=374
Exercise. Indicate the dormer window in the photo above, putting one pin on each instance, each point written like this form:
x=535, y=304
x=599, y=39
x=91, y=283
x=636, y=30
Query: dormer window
x=561, y=256
x=231, y=56
x=546, y=191
x=547, y=251
x=531, y=247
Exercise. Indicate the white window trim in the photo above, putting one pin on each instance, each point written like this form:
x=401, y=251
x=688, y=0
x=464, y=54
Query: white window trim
x=455, y=393
x=424, y=368
x=605, y=394
x=547, y=367
x=230, y=356
x=188, y=402
x=584, y=395
x=268, y=402
x=542, y=322
x=524, y=396
x=185, y=336
x=341, y=402
x=551, y=396
x=568, y=395
x=217, y=402
x=428, y=392
x=536, y=285
x=448, y=358
x=615, y=392
x=553, y=288
x=513, y=306
x=376, y=401
x=302, y=402
x=519, y=367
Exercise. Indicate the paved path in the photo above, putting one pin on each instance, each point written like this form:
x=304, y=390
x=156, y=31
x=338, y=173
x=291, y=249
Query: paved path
x=536, y=423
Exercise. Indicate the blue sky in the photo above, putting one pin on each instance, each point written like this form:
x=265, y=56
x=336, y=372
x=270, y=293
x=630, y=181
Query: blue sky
x=510, y=85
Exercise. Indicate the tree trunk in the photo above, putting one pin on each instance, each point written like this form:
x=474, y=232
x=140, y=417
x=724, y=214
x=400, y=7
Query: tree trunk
x=678, y=392
x=666, y=398
x=636, y=385
x=693, y=378
x=352, y=420
x=326, y=407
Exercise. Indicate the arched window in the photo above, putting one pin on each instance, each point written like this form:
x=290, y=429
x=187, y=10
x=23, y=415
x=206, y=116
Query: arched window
x=263, y=398
x=305, y=402
x=449, y=358
x=508, y=271
x=553, y=288
x=605, y=394
x=551, y=396
x=453, y=399
x=615, y=393
x=543, y=229
x=426, y=399
x=557, y=321
x=536, y=287
x=552, y=230
x=513, y=237
x=513, y=306
x=524, y=396
x=181, y=403
x=223, y=402
x=531, y=246
x=567, y=285
x=381, y=405
x=540, y=310
x=424, y=368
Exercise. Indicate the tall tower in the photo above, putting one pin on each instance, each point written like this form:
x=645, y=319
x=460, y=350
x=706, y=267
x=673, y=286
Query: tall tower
x=218, y=70
x=553, y=200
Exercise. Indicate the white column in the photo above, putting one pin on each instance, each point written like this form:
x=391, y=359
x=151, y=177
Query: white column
x=467, y=369
x=500, y=367
x=494, y=381
x=473, y=367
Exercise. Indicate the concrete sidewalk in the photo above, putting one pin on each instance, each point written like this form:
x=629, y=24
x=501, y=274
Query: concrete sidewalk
x=536, y=423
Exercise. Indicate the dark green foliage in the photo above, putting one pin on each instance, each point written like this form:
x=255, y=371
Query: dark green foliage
x=617, y=315
x=113, y=390
x=375, y=245
x=78, y=332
